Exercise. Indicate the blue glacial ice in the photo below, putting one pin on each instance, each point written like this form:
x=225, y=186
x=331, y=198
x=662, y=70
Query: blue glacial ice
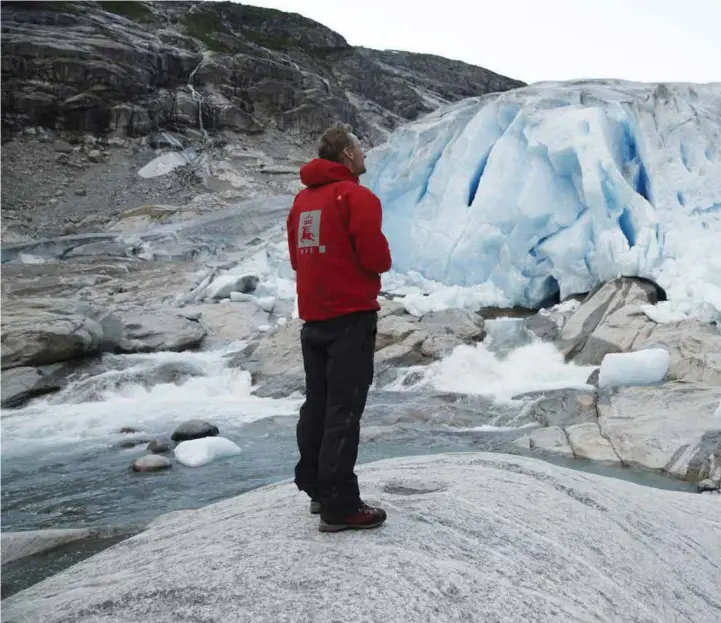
x=557, y=187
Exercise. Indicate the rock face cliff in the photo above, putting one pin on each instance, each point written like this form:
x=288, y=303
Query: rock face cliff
x=129, y=69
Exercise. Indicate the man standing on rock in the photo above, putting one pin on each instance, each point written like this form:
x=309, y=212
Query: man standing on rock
x=338, y=251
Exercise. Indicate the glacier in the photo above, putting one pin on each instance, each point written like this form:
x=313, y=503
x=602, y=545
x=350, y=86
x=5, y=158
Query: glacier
x=551, y=189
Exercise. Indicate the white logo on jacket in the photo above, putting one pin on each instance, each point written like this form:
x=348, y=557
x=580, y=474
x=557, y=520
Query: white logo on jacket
x=309, y=231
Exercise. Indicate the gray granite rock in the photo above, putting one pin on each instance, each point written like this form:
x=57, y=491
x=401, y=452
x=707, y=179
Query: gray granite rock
x=194, y=429
x=573, y=546
x=151, y=463
x=609, y=321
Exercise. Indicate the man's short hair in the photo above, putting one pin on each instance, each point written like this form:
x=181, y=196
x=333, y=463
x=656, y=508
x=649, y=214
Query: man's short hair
x=335, y=139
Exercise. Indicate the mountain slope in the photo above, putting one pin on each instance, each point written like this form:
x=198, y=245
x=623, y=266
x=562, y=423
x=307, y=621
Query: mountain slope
x=131, y=68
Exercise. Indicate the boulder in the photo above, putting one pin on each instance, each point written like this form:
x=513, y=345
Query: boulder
x=160, y=446
x=462, y=325
x=280, y=386
x=147, y=332
x=132, y=443
x=547, y=324
x=438, y=346
x=694, y=350
x=242, y=358
x=278, y=352
x=586, y=442
x=708, y=485
x=194, y=429
x=593, y=378
x=705, y=464
x=542, y=542
x=437, y=332
x=543, y=326
x=151, y=463
x=609, y=321
x=552, y=440
x=24, y=383
x=404, y=355
x=612, y=321
x=674, y=427
x=404, y=341
x=40, y=331
x=389, y=307
x=562, y=407
x=227, y=323
x=96, y=386
x=393, y=329
x=37, y=332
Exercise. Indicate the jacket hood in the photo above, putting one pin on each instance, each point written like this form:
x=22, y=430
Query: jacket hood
x=320, y=171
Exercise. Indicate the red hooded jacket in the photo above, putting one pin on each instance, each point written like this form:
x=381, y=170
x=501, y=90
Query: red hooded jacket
x=335, y=242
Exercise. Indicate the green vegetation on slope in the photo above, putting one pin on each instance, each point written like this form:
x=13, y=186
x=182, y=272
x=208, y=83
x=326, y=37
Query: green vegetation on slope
x=222, y=18
x=136, y=11
x=202, y=25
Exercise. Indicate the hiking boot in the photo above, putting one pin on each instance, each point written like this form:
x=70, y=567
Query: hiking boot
x=315, y=507
x=364, y=518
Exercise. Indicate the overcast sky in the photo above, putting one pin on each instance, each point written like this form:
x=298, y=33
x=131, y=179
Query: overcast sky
x=536, y=40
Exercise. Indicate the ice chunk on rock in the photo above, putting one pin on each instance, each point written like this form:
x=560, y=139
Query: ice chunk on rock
x=224, y=285
x=642, y=367
x=266, y=303
x=240, y=297
x=198, y=452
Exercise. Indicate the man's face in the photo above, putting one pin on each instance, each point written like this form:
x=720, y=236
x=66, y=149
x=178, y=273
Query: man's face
x=355, y=158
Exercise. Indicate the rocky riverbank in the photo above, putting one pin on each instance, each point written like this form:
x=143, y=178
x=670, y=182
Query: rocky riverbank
x=125, y=293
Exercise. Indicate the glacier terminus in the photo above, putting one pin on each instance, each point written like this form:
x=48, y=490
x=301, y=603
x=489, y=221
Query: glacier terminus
x=554, y=188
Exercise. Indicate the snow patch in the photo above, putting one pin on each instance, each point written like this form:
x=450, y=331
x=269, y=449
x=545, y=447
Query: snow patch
x=166, y=163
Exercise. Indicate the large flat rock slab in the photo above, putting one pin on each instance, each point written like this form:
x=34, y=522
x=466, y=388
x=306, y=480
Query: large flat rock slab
x=675, y=427
x=470, y=537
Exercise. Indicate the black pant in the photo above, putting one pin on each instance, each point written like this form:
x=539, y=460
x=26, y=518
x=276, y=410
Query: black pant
x=338, y=360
